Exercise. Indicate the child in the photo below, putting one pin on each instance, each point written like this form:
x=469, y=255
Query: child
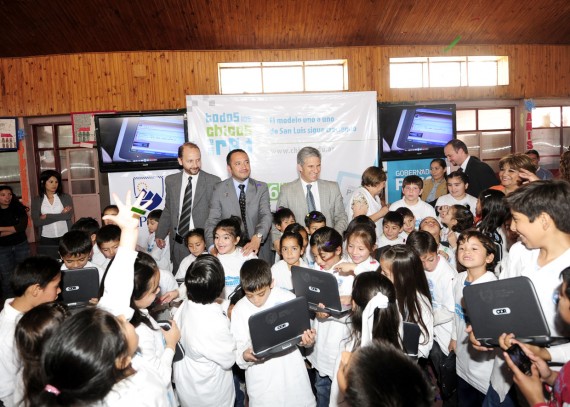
x=282, y=218
x=412, y=190
x=297, y=228
x=74, y=249
x=35, y=281
x=107, y=241
x=162, y=256
x=409, y=221
x=440, y=276
x=112, y=210
x=91, y=227
x=196, y=243
x=476, y=257
x=314, y=221
x=360, y=245
x=457, y=184
x=392, y=227
x=493, y=212
x=204, y=376
x=326, y=246
x=281, y=379
x=433, y=227
x=291, y=245
x=402, y=265
x=457, y=219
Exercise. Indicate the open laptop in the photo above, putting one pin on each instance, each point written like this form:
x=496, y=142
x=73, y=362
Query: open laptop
x=279, y=328
x=506, y=306
x=318, y=287
x=79, y=286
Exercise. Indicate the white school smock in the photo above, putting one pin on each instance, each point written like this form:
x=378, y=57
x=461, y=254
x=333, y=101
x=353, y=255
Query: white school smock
x=383, y=241
x=282, y=275
x=370, y=264
x=426, y=337
x=281, y=380
x=449, y=200
x=232, y=263
x=373, y=202
x=99, y=258
x=420, y=210
x=161, y=256
x=440, y=283
x=337, y=398
x=9, y=359
x=473, y=366
x=204, y=376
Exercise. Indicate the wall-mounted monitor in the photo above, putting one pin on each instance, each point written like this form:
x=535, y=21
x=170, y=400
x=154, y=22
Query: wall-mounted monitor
x=414, y=131
x=140, y=141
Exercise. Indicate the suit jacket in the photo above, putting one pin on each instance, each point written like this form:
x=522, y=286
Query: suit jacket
x=292, y=196
x=225, y=203
x=481, y=176
x=200, y=204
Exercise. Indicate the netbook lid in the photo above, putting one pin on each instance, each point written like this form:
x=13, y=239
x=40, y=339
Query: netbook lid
x=506, y=306
x=79, y=286
x=318, y=287
x=279, y=328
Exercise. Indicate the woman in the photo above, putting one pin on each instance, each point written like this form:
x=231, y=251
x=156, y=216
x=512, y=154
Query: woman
x=435, y=186
x=52, y=210
x=510, y=169
x=14, y=246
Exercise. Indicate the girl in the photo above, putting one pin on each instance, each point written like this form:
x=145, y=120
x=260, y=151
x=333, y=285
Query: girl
x=457, y=184
x=298, y=228
x=457, y=219
x=88, y=361
x=403, y=266
x=226, y=238
x=360, y=244
x=493, y=212
x=374, y=316
x=196, y=243
x=435, y=186
x=433, y=227
x=476, y=257
x=291, y=250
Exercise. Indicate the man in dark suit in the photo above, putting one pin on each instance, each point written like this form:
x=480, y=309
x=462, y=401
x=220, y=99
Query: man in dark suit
x=481, y=176
x=189, y=157
x=225, y=202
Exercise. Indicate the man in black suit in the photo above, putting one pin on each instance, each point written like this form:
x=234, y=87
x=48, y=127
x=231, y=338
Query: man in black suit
x=481, y=176
x=189, y=157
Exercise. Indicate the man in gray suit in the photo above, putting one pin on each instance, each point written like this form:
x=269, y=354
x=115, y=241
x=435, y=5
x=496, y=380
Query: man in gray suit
x=325, y=196
x=225, y=202
x=189, y=157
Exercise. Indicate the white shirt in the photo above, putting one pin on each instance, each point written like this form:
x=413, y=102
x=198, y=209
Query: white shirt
x=362, y=195
x=232, y=263
x=449, y=200
x=420, y=210
x=384, y=241
x=9, y=359
x=98, y=258
x=55, y=229
x=282, y=274
x=182, y=190
x=161, y=256
x=370, y=264
x=314, y=191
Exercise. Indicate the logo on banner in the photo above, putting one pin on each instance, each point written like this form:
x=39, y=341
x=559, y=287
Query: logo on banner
x=152, y=189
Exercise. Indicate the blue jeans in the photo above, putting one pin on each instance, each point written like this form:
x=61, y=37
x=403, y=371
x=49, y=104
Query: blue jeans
x=492, y=399
x=323, y=386
x=10, y=257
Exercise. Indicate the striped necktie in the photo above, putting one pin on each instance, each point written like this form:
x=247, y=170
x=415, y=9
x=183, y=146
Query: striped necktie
x=186, y=212
x=242, y=208
x=310, y=199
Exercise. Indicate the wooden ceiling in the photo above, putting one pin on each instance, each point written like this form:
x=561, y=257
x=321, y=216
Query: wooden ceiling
x=44, y=27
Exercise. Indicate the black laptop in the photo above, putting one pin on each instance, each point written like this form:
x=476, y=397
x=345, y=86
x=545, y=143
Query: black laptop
x=319, y=287
x=279, y=328
x=79, y=286
x=507, y=306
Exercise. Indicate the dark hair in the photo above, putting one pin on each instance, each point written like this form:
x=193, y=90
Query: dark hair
x=381, y=375
x=387, y=320
x=409, y=280
x=372, y=176
x=32, y=331
x=237, y=294
x=205, y=279
x=550, y=197
x=458, y=145
x=108, y=233
x=365, y=232
x=47, y=174
x=87, y=225
x=413, y=180
x=297, y=228
x=229, y=156
x=39, y=270
x=459, y=174
x=145, y=269
x=75, y=242
x=565, y=275
x=358, y=221
x=485, y=240
x=439, y=161
x=80, y=359
x=109, y=207
x=255, y=274
x=422, y=241
x=187, y=144
x=493, y=210
x=517, y=161
x=463, y=216
x=394, y=217
x=405, y=212
x=281, y=214
x=292, y=235
x=326, y=239
x=231, y=225
x=14, y=202
x=314, y=217
x=199, y=232
x=532, y=152
x=154, y=215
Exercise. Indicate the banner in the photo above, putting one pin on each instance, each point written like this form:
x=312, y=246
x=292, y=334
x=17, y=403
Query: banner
x=273, y=128
x=398, y=170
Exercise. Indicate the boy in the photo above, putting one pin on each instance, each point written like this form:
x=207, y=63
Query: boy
x=392, y=227
x=282, y=379
x=314, y=221
x=162, y=256
x=412, y=187
x=35, y=281
x=109, y=210
x=74, y=250
x=540, y=217
x=91, y=227
x=108, y=238
x=409, y=221
x=282, y=218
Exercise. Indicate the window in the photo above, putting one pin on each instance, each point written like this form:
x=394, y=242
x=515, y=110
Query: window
x=551, y=134
x=281, y=77
x=488, y=133
x=430, y=72
x=50, y=141
x=10, y=171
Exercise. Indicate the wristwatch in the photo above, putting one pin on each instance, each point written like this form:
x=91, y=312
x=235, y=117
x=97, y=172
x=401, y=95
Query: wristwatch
x=259, y=235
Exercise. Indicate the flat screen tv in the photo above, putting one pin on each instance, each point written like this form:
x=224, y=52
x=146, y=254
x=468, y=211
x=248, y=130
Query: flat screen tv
x=414, y=131
x=140, y=141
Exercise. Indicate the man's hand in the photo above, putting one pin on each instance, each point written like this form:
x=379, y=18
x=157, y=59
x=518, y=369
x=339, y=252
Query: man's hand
x=161, y=243
x=252, y=246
